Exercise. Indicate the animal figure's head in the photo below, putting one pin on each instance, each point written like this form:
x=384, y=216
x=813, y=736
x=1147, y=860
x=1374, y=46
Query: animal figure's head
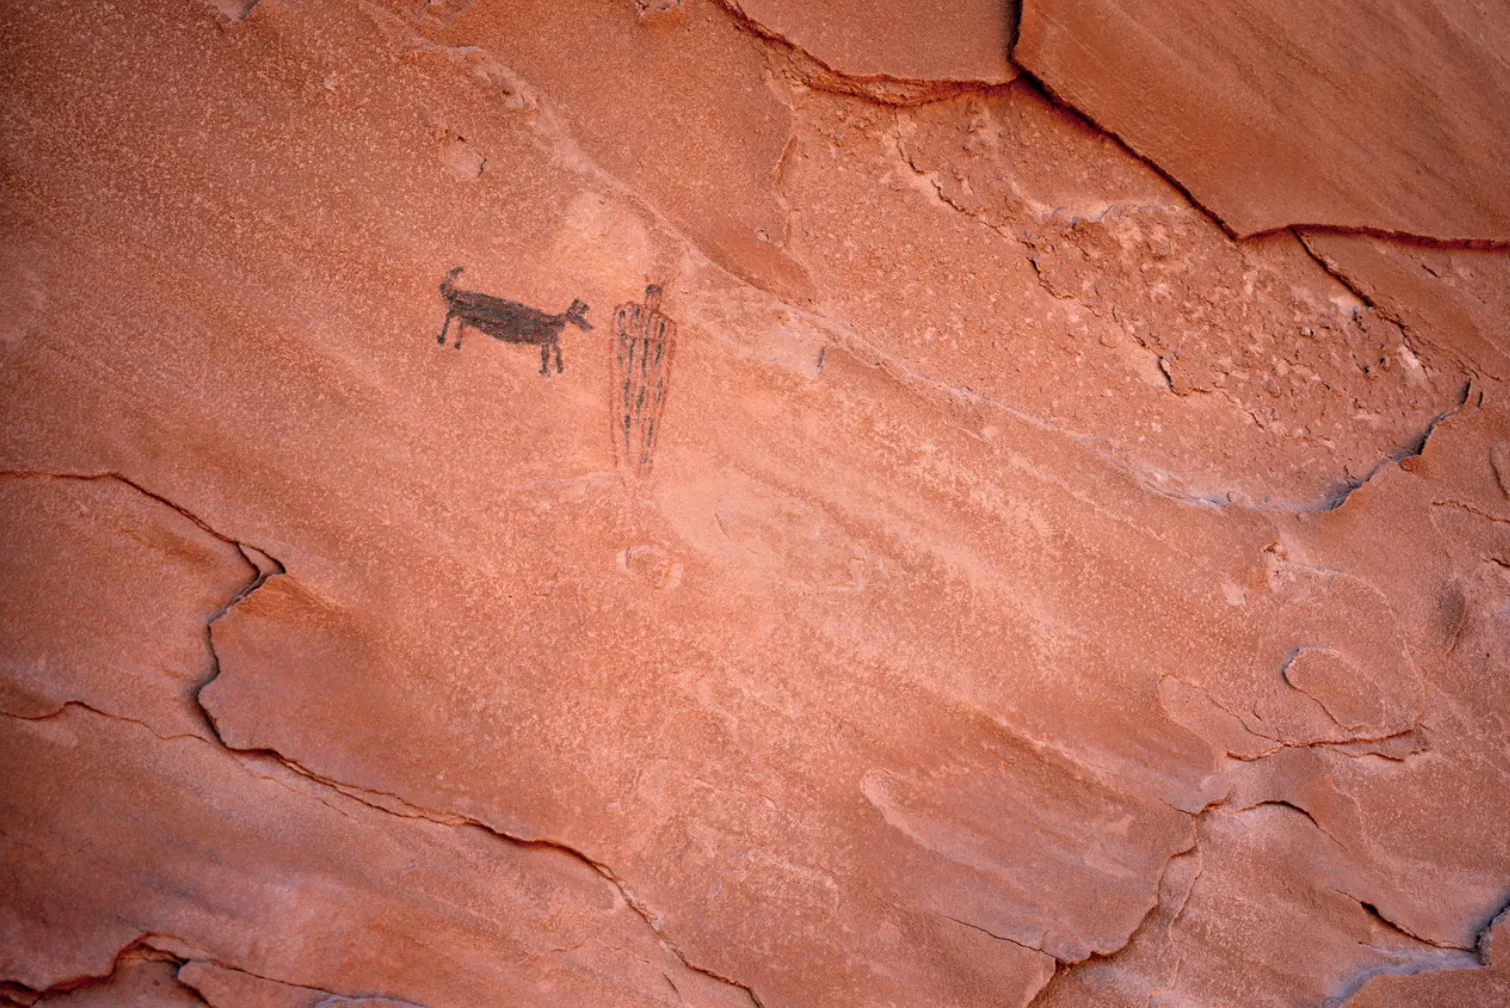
x=577, y=314
x=449, y=283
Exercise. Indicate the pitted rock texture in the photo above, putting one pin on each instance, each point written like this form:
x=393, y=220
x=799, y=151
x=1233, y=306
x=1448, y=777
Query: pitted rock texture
x=1038, y=595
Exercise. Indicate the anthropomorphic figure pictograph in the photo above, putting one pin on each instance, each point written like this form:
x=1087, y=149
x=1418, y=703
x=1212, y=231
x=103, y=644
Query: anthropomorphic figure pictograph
x=642, y=367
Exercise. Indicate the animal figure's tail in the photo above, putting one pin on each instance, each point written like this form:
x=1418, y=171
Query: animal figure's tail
x=448, y=285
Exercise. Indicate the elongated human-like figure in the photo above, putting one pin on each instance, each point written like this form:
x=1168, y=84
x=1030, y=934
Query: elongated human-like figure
x=642, y=366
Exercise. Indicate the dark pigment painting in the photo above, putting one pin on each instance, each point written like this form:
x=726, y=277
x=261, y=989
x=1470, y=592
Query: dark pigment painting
x=508, y=321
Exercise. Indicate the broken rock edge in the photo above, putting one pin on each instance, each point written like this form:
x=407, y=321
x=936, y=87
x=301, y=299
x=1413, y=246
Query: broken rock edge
x=371, y=797
x=884, y=89
x=845, y=337
x=921, y=92
x=1131, y=148
x=260, y=578
x=1479, y=953
x=149, y=946
x=1219, y=806
x=1340, y=273
x=1329, y=501
x=912, y=92
x=359, y=793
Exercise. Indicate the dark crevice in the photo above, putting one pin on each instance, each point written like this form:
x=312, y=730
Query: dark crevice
x=1058, y=101
x=1294, y=227
x=1002, y=938
x=1393, y=237
x=62, y=708
x=199, y=522
x=327, y=996
x=1374, y=912
x=1447, y=956
x=1281, y=803
x=884, y=89
x=261, y=564
x=1063, y=970
x=149, y=947
x=1444, y=954
x=1340, y=496
x=1476, y=512
x=136, y=949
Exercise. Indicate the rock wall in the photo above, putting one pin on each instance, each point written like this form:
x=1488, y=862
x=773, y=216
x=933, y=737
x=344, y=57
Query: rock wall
x=896, y=507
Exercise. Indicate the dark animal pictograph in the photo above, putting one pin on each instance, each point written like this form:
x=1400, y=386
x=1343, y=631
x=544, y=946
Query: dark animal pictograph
x=508, y=320
x=642, y=366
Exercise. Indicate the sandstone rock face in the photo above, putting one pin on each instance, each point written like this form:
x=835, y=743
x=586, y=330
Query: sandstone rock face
x=1273, y=113
x=877, y=541
x=893, y=41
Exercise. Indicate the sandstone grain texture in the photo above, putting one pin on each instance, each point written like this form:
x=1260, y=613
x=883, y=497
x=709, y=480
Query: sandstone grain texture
x=1038, y=595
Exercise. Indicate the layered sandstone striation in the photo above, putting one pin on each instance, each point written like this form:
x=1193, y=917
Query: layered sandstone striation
x=1023, y=591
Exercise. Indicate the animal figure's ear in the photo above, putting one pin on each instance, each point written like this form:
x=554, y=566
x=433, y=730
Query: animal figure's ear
x=452, y=275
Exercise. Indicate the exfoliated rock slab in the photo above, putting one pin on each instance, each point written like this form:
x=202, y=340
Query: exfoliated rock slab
x=141, y=978
x=964, y=41
x=1019, y=258
x=116, y=834
x=1257, y=915
x=107, y=596
x=1445, y=520
x=1486, y=984
x=1455, y=301
x=862, y=694
x=1272, y=114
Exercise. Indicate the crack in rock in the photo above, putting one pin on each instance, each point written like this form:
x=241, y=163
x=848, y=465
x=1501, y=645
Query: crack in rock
x=1476, y=958
x=265, y=566
x=819, y=75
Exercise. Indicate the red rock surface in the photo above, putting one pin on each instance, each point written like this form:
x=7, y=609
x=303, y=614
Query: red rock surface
x=871, y=42
x=1273, y=113
x=1037, y=595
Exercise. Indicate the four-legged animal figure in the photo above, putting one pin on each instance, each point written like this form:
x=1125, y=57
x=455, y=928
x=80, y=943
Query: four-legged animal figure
x=508, y=320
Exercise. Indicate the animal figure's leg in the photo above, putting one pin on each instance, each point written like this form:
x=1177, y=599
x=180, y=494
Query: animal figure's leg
x=545, y=358
x=444, y=326
x=557, y=345
x=461, y=327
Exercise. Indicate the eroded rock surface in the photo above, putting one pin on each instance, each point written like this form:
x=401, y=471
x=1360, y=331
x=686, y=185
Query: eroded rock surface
x=1025, y=592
